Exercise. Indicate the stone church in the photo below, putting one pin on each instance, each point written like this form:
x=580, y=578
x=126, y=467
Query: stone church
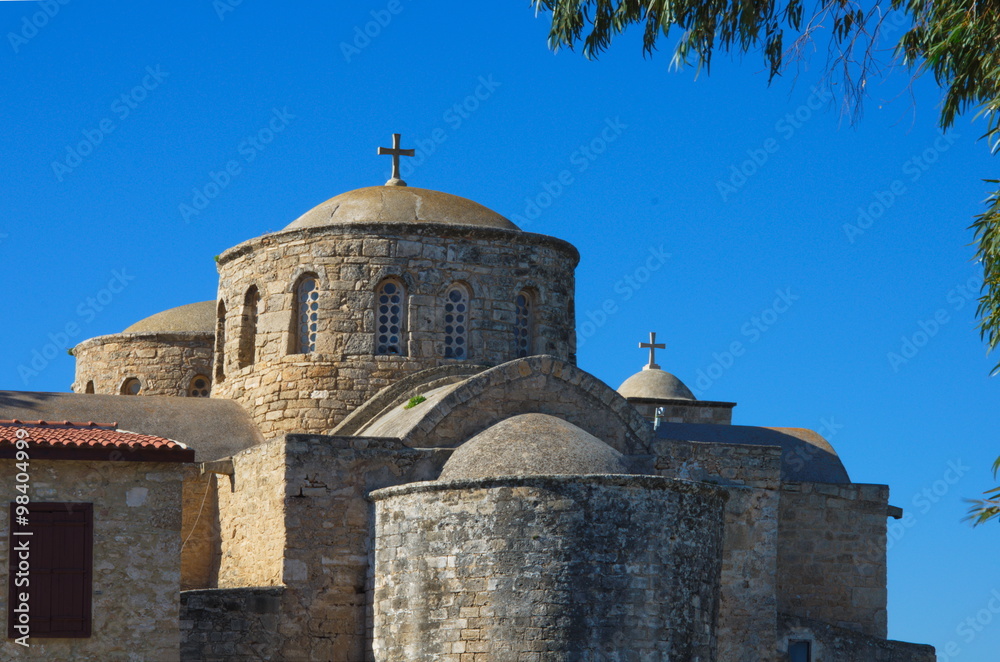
x=376, y=444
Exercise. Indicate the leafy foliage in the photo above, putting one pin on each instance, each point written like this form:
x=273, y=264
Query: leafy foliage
x=983, y=510
x=957, y=40
x=414, y=401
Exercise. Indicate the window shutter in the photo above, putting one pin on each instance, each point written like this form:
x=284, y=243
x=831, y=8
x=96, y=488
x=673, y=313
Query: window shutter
x=61, y=569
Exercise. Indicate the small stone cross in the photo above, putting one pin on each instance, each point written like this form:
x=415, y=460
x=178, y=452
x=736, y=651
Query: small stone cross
x=652, y=346
x=395, y=152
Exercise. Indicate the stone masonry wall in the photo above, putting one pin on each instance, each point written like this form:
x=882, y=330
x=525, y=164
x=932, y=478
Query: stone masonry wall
x=674, y=411
x=832, y=554
x=297, y=517
x=165, y=364
x=252, y=518
x=329, y=552
x=200, y=531
x=547, y=568
x=136, y=571
x=295, y=392
x=218, y=625
x=835, y=644
x=751, y=475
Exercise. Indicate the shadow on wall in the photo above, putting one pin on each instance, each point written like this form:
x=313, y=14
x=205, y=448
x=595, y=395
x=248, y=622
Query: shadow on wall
x=805, y=455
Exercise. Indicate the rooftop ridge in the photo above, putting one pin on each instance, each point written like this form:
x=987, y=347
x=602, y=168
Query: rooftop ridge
x=62, y=424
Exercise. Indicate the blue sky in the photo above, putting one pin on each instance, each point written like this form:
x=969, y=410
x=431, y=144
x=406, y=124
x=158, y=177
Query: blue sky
x=714, y=210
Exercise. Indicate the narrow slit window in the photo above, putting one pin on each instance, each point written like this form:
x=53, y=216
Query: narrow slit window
x=523, y=323
x=220, y=342
x=307, y=299
x=248, y=332
x=456, y=323
x=390, y=315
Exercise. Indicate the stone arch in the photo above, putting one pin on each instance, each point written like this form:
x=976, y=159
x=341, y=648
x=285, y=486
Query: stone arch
x=199, y=386
x=541, y=384
x=397, y=271
x=131, y=386
x=184, y=385
x=405, y=388
x=304, y=327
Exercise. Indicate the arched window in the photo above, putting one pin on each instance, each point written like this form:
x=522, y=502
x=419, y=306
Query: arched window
x=131, y=386
x=248, y=330
x=456, y=323
x=220, y=342
x=524, y=323
x=390, y=318
x=90, y=387
x=199, y=387
x=307, y=314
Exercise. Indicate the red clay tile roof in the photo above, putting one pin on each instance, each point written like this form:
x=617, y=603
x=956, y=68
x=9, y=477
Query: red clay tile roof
x=65, y=440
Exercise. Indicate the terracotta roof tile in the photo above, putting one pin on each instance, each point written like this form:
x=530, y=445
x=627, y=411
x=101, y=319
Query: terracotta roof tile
x=89, y=441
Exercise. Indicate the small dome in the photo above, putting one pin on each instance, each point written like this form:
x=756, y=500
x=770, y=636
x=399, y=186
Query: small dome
x=400, y=204
x=192, y=318
x=533, y=445
x=655, y=384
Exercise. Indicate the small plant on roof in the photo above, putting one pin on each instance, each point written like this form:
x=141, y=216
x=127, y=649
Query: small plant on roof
x=414, y=401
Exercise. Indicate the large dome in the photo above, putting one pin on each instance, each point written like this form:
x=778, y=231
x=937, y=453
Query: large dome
x=533, y=445
x=400, y=204
x=192, y=318
x=655, y=384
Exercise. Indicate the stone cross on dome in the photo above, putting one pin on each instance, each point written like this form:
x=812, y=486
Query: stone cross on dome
x=395, y=152
x=652, y=346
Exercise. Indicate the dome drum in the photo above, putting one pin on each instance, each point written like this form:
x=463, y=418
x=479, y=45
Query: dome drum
x=379, y=298
x=165, y=354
